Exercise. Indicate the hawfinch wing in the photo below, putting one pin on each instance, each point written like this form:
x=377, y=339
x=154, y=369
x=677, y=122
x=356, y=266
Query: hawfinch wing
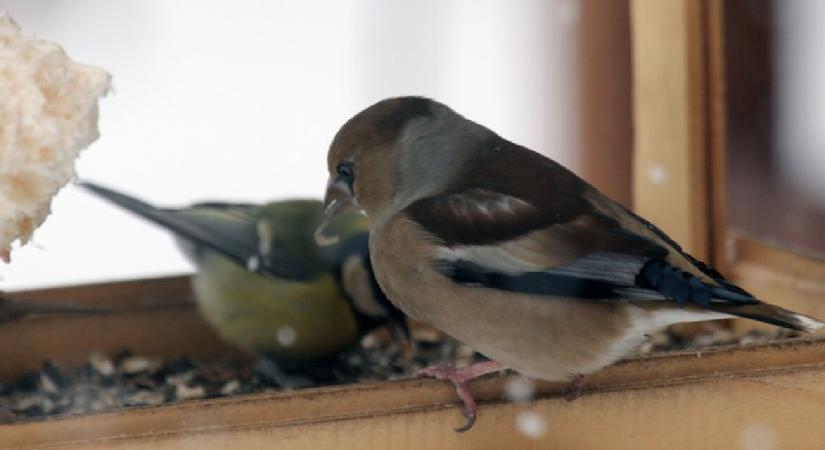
x=500, y=241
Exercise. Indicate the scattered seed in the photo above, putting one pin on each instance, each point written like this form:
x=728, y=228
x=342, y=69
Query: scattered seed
x=184, y=392
x=102, y=364
x=137, y=364
x=144, y=398
x=231, y=387
x=105, y=383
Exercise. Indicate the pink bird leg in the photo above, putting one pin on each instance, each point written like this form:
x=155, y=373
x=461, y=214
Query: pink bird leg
x=576, y=387
x=459, y=377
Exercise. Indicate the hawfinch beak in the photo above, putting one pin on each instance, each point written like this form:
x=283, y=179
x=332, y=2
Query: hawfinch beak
x=338, y=199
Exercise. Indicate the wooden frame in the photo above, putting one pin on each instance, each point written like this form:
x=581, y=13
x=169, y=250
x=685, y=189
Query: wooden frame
x=679, y=105
x=154, y=317
x=795, y=280
x=766, y=396
x=674, y=126
x=708, y=399
x=605, y=119
x=680, y=150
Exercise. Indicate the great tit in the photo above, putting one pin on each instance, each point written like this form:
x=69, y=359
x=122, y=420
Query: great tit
x=264, y=284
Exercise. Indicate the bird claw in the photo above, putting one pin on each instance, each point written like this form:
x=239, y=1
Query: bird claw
x=471, y=420
x=459, y=378
x=576, y=387
x=439, y=372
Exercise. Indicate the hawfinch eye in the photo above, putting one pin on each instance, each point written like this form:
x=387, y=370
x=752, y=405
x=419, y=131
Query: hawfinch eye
x=346, y=172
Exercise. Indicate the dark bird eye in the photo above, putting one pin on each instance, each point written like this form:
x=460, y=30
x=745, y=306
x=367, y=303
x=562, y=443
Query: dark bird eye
x=346, y=172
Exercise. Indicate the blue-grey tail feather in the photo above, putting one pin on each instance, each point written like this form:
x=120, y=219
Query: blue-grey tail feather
x=658, y=281
x=169, y=219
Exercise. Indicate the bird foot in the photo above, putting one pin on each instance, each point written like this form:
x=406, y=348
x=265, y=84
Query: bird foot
x=575, y=389
x=459, y=377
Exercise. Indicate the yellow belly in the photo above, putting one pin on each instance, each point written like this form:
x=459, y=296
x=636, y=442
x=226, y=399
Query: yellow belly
x=287, y=320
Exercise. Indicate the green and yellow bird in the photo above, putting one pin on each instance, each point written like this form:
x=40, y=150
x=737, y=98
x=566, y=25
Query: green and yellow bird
x=265, y=285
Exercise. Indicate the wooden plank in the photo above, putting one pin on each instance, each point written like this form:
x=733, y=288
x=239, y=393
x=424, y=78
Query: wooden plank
x=148, y=292
x=712, y=399
x=605, y=114
x=717, y=135
x=670, y=115
x=156, y=317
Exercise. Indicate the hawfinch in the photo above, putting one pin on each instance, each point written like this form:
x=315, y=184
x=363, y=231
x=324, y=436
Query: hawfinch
x=511, y=253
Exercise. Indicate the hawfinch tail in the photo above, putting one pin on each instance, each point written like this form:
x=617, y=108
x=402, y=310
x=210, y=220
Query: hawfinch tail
x=513, y=254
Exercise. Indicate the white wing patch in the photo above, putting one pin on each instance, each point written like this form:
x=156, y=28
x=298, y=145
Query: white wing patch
x=481, y=201
x=541, y=250
x=264, y=238
x=505, y=258
x=495, y=258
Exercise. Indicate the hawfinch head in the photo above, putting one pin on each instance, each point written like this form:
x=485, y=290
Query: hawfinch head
x=395, y=152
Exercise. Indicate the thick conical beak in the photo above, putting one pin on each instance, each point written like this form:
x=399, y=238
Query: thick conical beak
x=338, y=199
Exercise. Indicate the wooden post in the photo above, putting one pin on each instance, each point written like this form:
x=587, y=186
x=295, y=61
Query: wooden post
x=678, y=114
x=605, y=112
x=717, y=134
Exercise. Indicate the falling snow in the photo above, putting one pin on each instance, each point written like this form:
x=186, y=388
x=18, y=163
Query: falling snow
x=531, y=424
x=519, y=389
x=252, y=263
x=657, y=174
x=287, y=336
x=758, y=436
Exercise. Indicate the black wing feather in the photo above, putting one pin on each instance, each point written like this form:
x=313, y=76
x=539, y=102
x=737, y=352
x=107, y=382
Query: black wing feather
x=656, y=277
x=234, y=243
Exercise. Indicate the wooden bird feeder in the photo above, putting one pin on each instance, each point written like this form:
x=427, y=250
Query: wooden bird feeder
x=703, y=398
x=760, y=396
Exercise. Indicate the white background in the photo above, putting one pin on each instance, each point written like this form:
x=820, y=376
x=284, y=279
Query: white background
x=220, y=100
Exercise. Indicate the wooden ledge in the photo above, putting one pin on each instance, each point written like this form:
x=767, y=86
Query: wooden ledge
x=154, y=317
x=715, y=398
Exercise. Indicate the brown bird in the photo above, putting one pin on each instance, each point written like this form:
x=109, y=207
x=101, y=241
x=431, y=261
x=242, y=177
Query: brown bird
x=513, y=254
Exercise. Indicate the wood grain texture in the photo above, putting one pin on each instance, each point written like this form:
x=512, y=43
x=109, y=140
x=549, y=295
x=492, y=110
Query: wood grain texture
x=671, y=186
x=717, y=135
x=605, y=113
x=714, y=399
x=155, y=317
x=780, y=276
